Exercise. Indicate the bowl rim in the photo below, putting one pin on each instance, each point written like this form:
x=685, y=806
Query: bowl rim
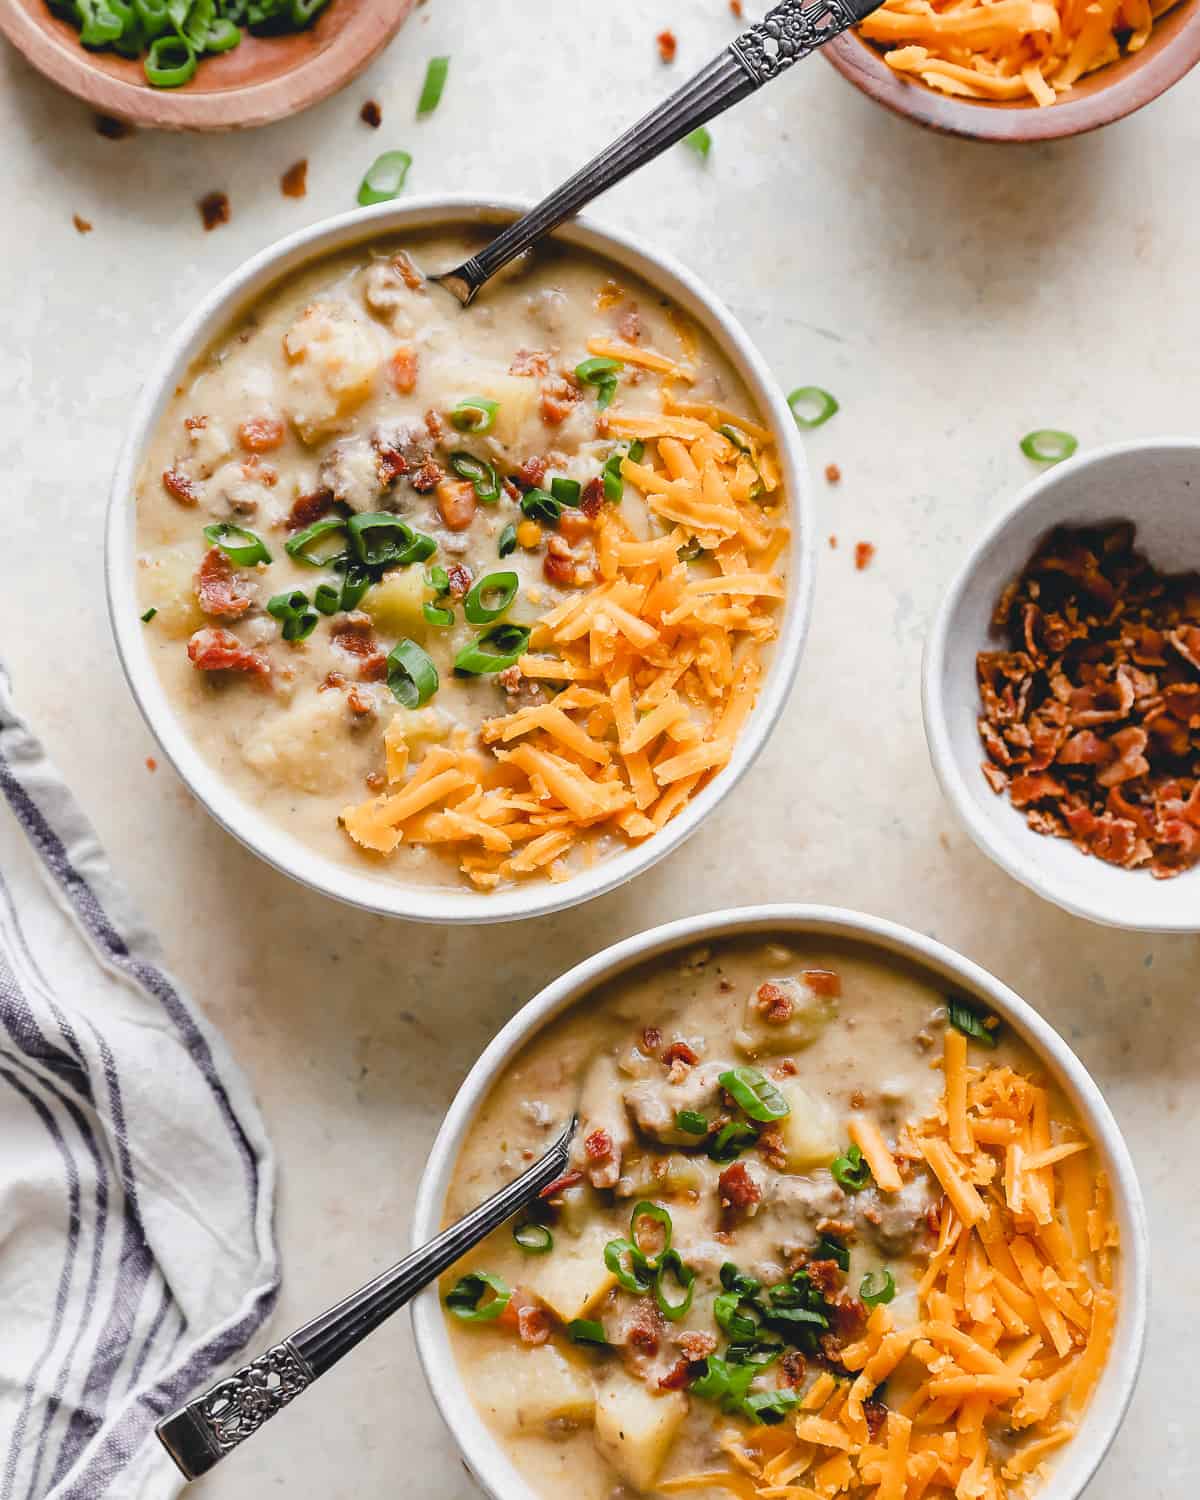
x=284, y=851
x=861, y=64
x=1009, y=852
x=311, y=80
x=483, y=1454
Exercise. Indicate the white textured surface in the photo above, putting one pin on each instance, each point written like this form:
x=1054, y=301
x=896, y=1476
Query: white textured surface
x=952, y=296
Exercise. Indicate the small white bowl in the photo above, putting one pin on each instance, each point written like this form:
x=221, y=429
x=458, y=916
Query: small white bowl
x=481, y=1452
x=1154, y=483
x=275, y=844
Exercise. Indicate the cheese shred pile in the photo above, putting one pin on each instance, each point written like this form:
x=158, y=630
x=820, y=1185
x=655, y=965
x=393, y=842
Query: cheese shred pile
x=654, y=669
x=1015, y=1318
x=1009, y=50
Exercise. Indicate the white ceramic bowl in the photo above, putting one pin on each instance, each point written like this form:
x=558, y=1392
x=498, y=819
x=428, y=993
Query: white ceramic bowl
x=273, y=843
x=1154, y=483
x=486, y=1458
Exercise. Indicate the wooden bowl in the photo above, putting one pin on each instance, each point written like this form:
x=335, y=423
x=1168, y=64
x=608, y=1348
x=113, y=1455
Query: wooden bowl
x=1109, y=94
x=262, y=79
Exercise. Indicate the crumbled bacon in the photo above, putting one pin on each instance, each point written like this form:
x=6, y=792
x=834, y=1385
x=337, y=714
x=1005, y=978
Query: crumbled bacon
x=598, y=1146
x=833, y=475
x=371, y=114
x=876, y=1414
x=629, y=324
x=737, y=1191
x=214, y=209
x=355, y=635
x=770, y=1146
x=567, y=1180
x=1091, y=717
x=458, y=580
x=863, y=553
x=217, y=587
x=677, y=1378
x=294, y=182
x=82, y=225
x=180, y=487
x=679, y=1051
x=695, y=1344
x=530, y=473
x=773, y=1004
x=667, y=45
x=558, y=566
x=533, y=1323
x=529, y=362
x=427, y=477
x=309, y=508
x=390, y=463
x=826, y=1276
x=592, y=499
x=405, y=267
x=559, y=395
x=215, y=650
x=651, y=1039
x=261, y=434
x=404, y=365
x=792, y=1369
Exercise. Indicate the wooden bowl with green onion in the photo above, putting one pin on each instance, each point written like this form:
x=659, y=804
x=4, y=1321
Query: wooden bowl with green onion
x=259, y=79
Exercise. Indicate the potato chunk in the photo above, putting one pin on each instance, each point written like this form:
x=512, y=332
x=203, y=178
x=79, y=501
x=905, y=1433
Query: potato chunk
x=395, y=603
x=307, y=747
x=572, y=1280
x=809, y=1131
x=635, y=1428
x=517, y=422
x=334, y=361
x=169, y=585
x=528, y=1388
x=785, y=1014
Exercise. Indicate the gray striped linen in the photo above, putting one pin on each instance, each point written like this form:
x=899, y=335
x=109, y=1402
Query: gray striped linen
x=137, y=1253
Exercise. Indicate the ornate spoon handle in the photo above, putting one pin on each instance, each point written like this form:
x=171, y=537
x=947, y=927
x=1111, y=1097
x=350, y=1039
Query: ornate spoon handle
x=786, y=34
x=200, y=1434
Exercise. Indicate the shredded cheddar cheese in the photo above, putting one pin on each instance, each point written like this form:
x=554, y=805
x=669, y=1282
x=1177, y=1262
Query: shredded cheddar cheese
x=1008, y=50
x=649, y=673
x=1014, y=1320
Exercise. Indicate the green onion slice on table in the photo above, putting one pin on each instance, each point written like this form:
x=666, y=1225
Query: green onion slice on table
x=435, y=82
x=1048, y=446
x=700, y=141
x=239, y=545
x=384, y=178
x=811, y=406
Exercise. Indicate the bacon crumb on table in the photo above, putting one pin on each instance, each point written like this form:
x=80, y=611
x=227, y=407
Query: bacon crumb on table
x=82, y=225
x=1091, y=714
x=667, y=45
x=371, y=114
x=112, y=129
x=863, y=553
x=151, y=763
x=214, y=210
x=833, y=474
x=294, y=182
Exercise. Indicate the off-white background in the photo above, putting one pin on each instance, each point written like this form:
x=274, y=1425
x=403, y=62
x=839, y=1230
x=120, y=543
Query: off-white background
x=952, y=296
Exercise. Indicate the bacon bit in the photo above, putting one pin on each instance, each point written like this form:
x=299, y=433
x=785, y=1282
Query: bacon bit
x=309, y=508
x=823, y=982
x=195, y=423
x=792, y=1369
x=678, y=1377
x=405, y=267
x=629, y=324
x=736, y=7
x=833, y=542
x=771, y=1148
x=557, y=568
x=456, y=503
x=111, y=129
x=355, y=634
x=679, y=1051
x=216, y=586
x=214, y=210
x=180, y=487
x=427, y=477
x=786, y=1069
x=261, y=434
x=667, y=45
x=876, y=1415
x=390, y=463
x=533, y=1323
x=773, y=1004
x=559, y=395
x=695, y=1344
x=458, y=580
x=857, y=1099
x=826, y=1276
x=215, y=650
x=647, y=1327
x=598, y=1146
x=530, y=473
x=294, y=182
x=151, y=763
x=737, y=1191
x=560, y=1184
x=833, y=475
x=82, y=225
x=863, y=553
x=371, y=114
x=651, y=1039
x=331, y=680
x=404, y=370
x=529, y=362
x=592, y=499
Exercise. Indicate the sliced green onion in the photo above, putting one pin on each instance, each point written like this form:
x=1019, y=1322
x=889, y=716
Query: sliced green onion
x=466, y=1299
x=327, y=598
x=170, y=62
x=534, y=1239
x=303, y=11
x=629, y=1266
x=757, y=1352
x=385, y=178
x=877, y=1287
x=737, y=1281
x=770, y=1407
x=586, y=1331
x=690, y=551
x=691, y=1122
x=614, y=480
x=730, y=1318
x=287, y=606
x=221, y=35
x=1048, y=446
x=435, y=82
x=566, y=491
x=300, y=627
x=724, y=1383
x=684, y=1277
x=811, y=406
x=756, y=1094
x=437, y=578
x=99, y=23
x=539, y=505
x=700, y=141
x=437, y=615
x=657, y=1215
x=830, y=1249
x=297, y=546
x=355, y=584
x=419, y=549
x=481, y=474
x=966, y=1018
x=730, y=1141
x=850, y=1170
x=602, y=373
x=474, y=414
x=149, y=615
x=411, y=675
x=378, y=538
x=502, y=646
x=736, y=436
x=490, y=597
x=238, y=544
x=508, y=541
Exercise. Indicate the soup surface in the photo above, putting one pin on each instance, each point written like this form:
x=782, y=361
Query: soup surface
x=827, y=1228
x=462, y=594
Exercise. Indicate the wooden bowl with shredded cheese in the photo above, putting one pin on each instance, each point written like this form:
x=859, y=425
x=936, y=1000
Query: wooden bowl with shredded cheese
x=1019, y=70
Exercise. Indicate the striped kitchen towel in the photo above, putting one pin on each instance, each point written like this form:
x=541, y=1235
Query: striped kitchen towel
x=137, y=1254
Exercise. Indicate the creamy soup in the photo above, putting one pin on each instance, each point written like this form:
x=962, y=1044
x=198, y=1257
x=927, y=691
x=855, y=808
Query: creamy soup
x=462, y=594
x=827, y=1226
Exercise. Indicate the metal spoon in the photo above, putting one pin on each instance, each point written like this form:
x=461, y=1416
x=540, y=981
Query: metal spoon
x=786, y=34
x=200, y=1434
